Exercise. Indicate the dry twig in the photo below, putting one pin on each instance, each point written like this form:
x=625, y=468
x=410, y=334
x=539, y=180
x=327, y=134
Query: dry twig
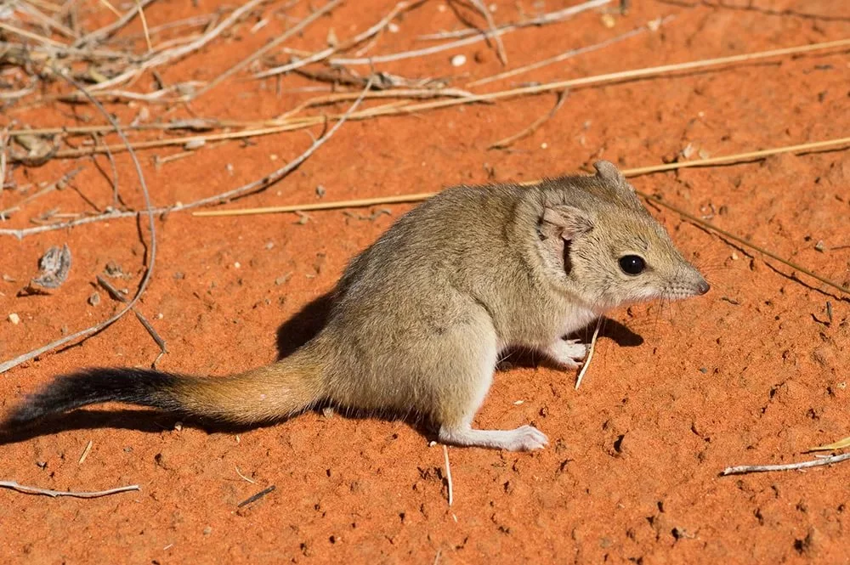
x=589, y=352
x=744, y=469
x=179, y=52
x=108, y=31
x=399, y=8
x=298, y=28
x=508, y=141
x=476, y=37
x=151, y=257
x=264, y=182
x=54, y=493
x=566, y=55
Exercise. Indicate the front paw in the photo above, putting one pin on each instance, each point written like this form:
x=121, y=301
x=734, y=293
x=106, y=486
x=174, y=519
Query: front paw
x=567, y=352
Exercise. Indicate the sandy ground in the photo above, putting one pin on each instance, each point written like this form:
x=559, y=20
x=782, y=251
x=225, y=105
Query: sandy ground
x=754, y=372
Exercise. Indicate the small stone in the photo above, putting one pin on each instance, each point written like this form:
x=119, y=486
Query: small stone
x=14, y=318
x=608, y=21
x=544, y=145
x=207, y=530
x=734, y=256
x=178, y=426
x=320, y=191
x=237, y=264
x=819, y=246
x=458, y=60
x=393, y=27
x=270, y=245
x=94, y=299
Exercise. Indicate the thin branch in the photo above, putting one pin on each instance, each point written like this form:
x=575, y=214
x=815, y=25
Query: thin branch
x=144, y=21
x=476, y=37
x=359, y=38
x=589, y=352
x=744, y=469
x=273, y=177
x=405, y=198
x=541, y=20
x=108, y=31
x=565, y=55
x=54, y=493
x=113, y=292
x=298, y=28
x=30, y=35
x=179, y=52
x=83, y=334
x=277, y=175
x=488, y=17
x=508, y=141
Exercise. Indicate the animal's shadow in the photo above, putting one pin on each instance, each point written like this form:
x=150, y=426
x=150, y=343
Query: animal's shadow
x=291, y=335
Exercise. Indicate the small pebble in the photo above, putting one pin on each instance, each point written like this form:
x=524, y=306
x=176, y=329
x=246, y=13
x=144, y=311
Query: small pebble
x=734, y=256
x=320, y=191
x=237, y=264
x=393, y=27
x=458, y=60
x=207, y=530
x=14, y=318
x=544, y=145
x=94, y=299
x=178, y=426
x=819, y=246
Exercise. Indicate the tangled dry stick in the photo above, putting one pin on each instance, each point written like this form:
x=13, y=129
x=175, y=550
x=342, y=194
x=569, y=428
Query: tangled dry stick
x=292, y=123
x=83, y=334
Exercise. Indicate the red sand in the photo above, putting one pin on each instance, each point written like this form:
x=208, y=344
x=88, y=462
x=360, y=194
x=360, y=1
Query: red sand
x=753, y=372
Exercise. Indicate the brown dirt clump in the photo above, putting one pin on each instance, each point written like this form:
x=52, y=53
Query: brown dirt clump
x=754, y=372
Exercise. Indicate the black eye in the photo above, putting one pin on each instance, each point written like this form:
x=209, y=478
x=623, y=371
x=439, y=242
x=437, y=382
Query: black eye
x=632, y=264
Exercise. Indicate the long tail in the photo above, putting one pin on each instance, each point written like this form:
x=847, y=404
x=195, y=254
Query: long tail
x=260, y=395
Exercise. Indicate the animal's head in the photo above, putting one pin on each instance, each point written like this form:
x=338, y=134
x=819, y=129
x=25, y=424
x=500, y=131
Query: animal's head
x=610, y=249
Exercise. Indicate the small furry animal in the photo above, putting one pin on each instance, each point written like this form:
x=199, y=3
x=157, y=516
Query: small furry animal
x=419, y=318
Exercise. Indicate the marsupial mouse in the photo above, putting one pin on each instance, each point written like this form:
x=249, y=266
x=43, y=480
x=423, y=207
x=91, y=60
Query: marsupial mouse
x=419, y=318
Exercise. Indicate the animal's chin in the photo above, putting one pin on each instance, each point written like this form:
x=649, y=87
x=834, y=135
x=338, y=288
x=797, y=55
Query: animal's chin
x=677, y=294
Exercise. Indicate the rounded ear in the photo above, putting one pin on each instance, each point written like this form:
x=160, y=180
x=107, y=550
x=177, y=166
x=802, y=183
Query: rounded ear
x=567, y=222
x=608, y=171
